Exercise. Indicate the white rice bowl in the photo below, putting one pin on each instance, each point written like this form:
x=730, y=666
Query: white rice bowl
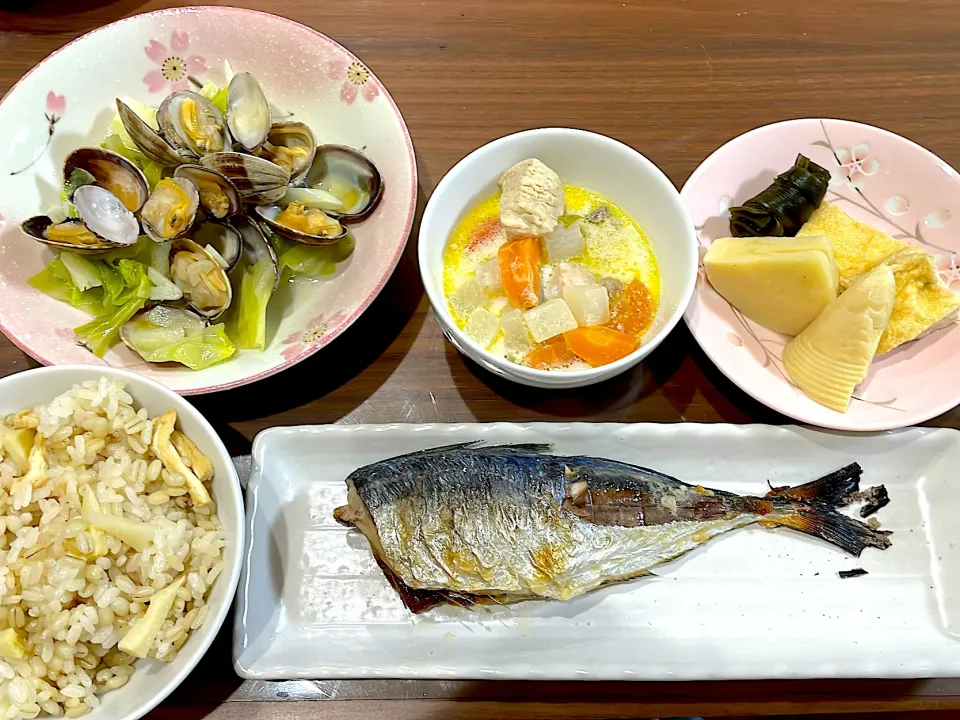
x=69, y=592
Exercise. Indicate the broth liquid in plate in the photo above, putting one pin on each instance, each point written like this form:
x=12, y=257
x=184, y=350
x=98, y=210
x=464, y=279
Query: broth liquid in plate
x=614, y=247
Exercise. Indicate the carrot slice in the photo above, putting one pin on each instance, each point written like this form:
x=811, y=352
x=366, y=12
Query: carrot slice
x=599, y=345
x=549, y=355
x=633, y=310
x=520, y=262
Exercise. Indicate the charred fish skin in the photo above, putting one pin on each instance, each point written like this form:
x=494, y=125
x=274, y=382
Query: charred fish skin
x=513, y=522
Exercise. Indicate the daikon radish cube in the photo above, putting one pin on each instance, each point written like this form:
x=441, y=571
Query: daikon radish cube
x=515, y=336
x=482, y=326
x=467, y=298
x=563, y=243
x=589, y=304
x=488, y=275
x=549, y=320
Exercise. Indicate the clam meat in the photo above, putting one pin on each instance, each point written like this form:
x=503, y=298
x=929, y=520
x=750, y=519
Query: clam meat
x=171, y=209
x=219, y=197
x=298, y=221
x=203, y=281
x=291, y=145
x=192, y=124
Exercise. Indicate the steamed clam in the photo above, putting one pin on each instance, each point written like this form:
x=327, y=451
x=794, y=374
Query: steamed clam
x=348, y=175
x=150, y=142
x=256, y=179
x=223, y=239
x=301, y=222
x=292, y=146
x=219, y=197
x=192, y=124
x=171, y=209
x=257, y=248
x=111, y=171
x=204, y=282
x=104, y=223
x=248, y=112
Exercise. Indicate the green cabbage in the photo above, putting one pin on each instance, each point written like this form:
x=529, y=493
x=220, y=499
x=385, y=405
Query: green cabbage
x=169, y=335
x=101, y=332
x=249, y=318
x=124, y=289
x=311, y=259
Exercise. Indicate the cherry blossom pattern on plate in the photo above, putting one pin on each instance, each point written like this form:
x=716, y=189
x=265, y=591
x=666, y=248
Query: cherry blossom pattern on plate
x=856, y=164
x=356, y=79
x=56, y=106
x=315, y=334
x=175, y=65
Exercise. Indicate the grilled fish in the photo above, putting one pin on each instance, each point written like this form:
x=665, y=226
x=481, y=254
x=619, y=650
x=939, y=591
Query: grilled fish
x=470, y=523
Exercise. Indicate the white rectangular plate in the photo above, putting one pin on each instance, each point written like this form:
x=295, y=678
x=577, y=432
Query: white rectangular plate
x=751, y=604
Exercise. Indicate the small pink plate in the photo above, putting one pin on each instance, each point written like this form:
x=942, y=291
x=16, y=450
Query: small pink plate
x=68, y=100
x=879, y=178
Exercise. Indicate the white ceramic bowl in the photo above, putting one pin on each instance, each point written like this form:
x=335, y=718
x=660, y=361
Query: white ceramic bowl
x=68, y=100
x=153, y=680
x=589, y=160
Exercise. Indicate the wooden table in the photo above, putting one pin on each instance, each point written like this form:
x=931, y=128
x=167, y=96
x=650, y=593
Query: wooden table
x=673, y=78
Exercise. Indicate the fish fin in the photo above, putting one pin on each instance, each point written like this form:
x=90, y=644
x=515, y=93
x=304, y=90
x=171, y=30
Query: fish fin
x=827, y=524
x=834, y=489
x=479, y=446
x=522, y=447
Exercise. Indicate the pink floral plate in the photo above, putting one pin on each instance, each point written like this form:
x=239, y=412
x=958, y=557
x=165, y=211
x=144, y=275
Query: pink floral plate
x=67, y=101
x=879, y=178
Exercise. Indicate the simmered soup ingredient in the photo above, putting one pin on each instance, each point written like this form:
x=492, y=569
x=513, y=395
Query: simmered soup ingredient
x=780, y=283
x=531, y=199
x=857, y=247
x=549, y=320
x=600, y=345
x=923, y=303
x=483, y=326
x=489, y=277
x=833, y=353
x=782, y=208
x=520, y=262
x=467, y=298
x=564, y=243
x=589, y=304
x=633, y=309
x=551, y=355
x=516, y=339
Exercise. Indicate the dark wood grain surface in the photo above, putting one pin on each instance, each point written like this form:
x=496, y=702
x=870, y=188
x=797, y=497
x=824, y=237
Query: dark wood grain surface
x=674, y=79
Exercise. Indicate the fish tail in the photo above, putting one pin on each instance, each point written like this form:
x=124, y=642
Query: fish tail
x=827, y=524
x=811, y=509
x=835, y=489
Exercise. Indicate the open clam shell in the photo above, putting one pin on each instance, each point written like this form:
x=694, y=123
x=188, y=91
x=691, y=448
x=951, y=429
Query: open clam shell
x=350, y=176
x=71, y=234
x=248, y=112
x=292, y=146
x=251, y=175
x=256, y=247
x=219, y=197
x=171, y=209
x=192, y=124
x=147, y=139
x=203, y=281
x=304, y=224
x=112, y=172
x=105, y=215
x=224, y=238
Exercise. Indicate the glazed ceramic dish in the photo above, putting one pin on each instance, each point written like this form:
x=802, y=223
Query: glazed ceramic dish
x=61, y=105
x=878, y=178
x=314, y=604
x=153, y=680
x=590, y=161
